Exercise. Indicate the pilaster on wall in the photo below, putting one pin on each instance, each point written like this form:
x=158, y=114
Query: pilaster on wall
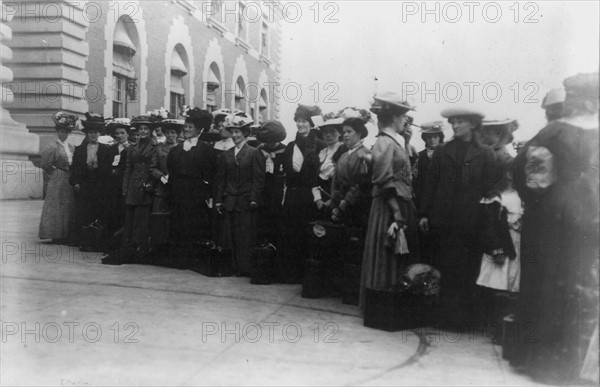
x=49, y=56
x=20, y=178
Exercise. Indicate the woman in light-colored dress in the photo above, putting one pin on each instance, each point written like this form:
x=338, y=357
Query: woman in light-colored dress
x=392, y=210
x=56, y=161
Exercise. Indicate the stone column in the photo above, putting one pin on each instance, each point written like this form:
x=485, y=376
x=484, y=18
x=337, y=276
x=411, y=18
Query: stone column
x=49, y=54
x=20, y=178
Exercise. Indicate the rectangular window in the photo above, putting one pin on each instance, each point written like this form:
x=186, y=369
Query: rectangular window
x=119, y=96
x=177, y=103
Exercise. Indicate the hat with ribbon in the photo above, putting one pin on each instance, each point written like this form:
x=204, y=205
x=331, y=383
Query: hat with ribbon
x=93, y=122
x=390, y=100
x=462, y=112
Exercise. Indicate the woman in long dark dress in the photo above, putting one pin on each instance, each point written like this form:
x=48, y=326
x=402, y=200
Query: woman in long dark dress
x=432, y=135
x=91, y=174
x=159, y=171
x=238, y=191
x=119, y=129
x=392, y=210
x=270, y=135
x=56, y=161
x=351, y=185
x=557, y=178
x=191, y=166
x=461, y=173
x=138, y=190
x=328, y=156
x=301, y=163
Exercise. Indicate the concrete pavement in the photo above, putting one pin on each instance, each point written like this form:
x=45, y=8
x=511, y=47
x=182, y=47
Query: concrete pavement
x=68, y=320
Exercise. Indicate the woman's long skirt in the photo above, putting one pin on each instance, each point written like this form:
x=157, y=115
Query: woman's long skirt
x=381, y=267
x=58, y=207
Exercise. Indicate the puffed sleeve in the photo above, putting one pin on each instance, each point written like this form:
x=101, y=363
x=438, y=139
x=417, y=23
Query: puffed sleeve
x=49, y=156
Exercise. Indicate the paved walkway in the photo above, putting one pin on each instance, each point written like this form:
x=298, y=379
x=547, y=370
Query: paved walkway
x=68, y=320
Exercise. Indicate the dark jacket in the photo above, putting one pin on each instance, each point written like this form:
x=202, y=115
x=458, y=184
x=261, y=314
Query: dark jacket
x=453, y=190
x=419, y=181
x=197, y=166
x=138, y=185
x=158, y=166
x=82, y=175
x=240, y=179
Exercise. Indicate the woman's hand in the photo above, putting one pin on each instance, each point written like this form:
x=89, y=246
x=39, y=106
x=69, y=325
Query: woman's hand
x=320, y=204
x=424, y=224
x=219, y=207
x=392, y=230
x=343, y=205
x=336, y=215
x=164, y=179
x=499, y=258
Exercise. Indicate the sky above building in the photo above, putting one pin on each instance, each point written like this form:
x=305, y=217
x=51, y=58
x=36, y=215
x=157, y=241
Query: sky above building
x=502, y=57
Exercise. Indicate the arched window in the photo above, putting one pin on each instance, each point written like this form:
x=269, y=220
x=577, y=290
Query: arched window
x=125, y=63
x=240, y=94
x=213, y=97
x=179, y=79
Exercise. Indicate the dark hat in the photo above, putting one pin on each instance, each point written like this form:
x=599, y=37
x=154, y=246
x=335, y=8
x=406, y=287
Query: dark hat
x=172, y=124
x=137, y=121
x=462, y=112
x=271, y=132
x=199, y=117
x=64, y=120
x=93, y=121
x=389, y=100
x=358, y=124
x=306, y=113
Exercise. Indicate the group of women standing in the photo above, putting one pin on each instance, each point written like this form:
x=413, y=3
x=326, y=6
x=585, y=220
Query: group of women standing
x=458, y=205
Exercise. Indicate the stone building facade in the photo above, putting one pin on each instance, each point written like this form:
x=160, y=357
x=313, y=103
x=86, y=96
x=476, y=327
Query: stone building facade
x=124, y=58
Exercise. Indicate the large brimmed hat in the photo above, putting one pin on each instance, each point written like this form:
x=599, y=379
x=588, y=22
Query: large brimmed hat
x=221, y=113
x=389, y=100
x=554, y=96
x=138, y=121
x=271, y=132
x=334, y=123
x=433, y=127
x=93, y=122
x=172, y=124
x=238, y=121
x=64, y=120
x=113, y=124
x=462, y=112
x=508, y=124
x=199, y=117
